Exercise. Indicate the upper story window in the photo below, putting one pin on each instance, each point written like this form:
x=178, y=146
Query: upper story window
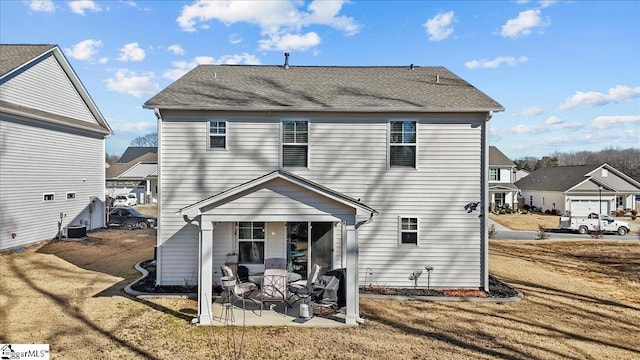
x=217, y=134
x=295, y=143
x=251, y=237
x=494, y=174
x=408, y=230
x=402, y=144
x=71, y=195
x=48, y=197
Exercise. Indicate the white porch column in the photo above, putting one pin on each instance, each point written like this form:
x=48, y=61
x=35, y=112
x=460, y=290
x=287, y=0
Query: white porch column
x=351, y=281
x=147, y=193
x=205, y=274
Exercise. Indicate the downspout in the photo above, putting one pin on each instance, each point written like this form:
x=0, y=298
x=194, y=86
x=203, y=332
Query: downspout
x=484, y=201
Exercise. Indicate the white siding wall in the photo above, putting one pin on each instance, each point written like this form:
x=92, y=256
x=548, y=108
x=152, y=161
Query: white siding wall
x=41, y=159
x=56, y=95
x=349, y=155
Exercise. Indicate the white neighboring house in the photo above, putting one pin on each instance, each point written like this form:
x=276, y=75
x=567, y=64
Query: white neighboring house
x=580, y=190
x=502, y=190
x=135, y=172
x=52, y=146
x=363, y=168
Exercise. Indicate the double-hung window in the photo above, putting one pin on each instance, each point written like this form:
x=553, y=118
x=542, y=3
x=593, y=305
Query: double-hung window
x=251, y=237
x=408, y=230
x=402, y=144
x=217, y=134
x=295, y=143
x=494, y=174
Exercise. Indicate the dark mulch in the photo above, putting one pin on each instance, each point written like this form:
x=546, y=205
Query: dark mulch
x=497, y=288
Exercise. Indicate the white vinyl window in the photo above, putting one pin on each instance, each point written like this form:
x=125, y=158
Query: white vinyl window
x=494, y=174
x=217, y=134
x=251, y=237
x=48, y=197
x=408, y=230
x=402, y=144
x=295, y=143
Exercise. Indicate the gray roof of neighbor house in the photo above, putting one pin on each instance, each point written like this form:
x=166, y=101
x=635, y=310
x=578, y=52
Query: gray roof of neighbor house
x=498, y=158
x=116, y=170
x=14, y=56
x=134, y=152
x=557, y=178
x=323, y=88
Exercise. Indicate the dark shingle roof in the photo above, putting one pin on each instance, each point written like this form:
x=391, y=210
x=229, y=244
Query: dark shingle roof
x=134, y=152
x=498, y=158
x=120, y=167
x=558, y=178
x=322, y=88
x=13, y=56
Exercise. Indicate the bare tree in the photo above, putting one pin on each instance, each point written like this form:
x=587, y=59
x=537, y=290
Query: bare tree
x=111, y=158
x=625, y=160
x=150, y=139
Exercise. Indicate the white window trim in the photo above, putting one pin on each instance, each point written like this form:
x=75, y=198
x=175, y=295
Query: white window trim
x=226, y=132
x=400, y=231
x=263, y=240
x=389, y=143
x=48, y=193
x=69, y=193
x=282, y=144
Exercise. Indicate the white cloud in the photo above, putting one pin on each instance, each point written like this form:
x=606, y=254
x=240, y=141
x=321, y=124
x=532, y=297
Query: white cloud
x=495, y=63
x=553, y=120
x=592, y=98
x=547, y=3
x=131, y=52
x=605, y=122
x=176, y=49
x=103, y=60
x=235, y=39
x=563, y=139
x=532, y=111
x=525, y=129
x=440, y=26
x=523, y=24
x=84, y=50
x=128, y=126
x=129, y=82
x=182, y=67
x=80, y=6
x=42, y=5
x=280, y=21
x=133, y=4
x=290, y=42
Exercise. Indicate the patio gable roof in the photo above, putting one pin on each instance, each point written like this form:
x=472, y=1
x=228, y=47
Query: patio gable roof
x=278, y=195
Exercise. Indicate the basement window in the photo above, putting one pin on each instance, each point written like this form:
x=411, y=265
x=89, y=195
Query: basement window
x=48, y=196
x=71, y=195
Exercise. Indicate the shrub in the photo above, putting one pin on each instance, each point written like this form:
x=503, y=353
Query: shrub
x=493, y=231
x=542, y=233
x=634, y=214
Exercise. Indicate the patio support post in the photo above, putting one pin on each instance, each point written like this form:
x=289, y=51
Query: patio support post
x=351, y=263
x=205, y=274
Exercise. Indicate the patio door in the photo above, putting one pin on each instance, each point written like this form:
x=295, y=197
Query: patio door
x=304, y=250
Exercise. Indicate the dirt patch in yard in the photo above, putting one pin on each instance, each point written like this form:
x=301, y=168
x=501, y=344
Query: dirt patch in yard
x=582, y=301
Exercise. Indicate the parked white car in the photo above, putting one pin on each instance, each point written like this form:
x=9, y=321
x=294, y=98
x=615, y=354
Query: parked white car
x=125, y=200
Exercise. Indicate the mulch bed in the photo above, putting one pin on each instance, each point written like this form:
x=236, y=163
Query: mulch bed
x=497, y=289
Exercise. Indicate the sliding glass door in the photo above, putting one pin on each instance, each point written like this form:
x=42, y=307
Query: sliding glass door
x=304, y=250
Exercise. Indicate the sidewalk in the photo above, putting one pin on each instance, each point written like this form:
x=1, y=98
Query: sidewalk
x=498, y=226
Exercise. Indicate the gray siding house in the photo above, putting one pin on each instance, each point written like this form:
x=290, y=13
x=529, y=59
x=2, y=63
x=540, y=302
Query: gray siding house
x=52, y=139
x=135, y=172
x=364, y=168
x=579, y=190
x=502, y=173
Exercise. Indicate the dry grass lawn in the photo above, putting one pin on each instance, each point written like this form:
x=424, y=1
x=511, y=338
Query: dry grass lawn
x=582, y=301
x=526, y=222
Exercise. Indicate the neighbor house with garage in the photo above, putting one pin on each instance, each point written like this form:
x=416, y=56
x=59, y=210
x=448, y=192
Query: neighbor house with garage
x=136, y=172
x=52, y=147
x=378, y=170
x=579, y=190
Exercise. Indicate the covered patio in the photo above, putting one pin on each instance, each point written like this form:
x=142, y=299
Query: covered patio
x=271, y=203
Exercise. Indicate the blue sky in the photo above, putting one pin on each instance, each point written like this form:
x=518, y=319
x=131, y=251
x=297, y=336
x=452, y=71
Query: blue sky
x=567, y=72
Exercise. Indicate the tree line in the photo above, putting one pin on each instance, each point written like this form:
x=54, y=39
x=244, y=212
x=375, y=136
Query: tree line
x=625, y=160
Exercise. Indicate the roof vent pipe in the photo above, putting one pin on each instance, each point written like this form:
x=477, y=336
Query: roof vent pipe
x=411, y=68
x=438, y=79
x=286, y=60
